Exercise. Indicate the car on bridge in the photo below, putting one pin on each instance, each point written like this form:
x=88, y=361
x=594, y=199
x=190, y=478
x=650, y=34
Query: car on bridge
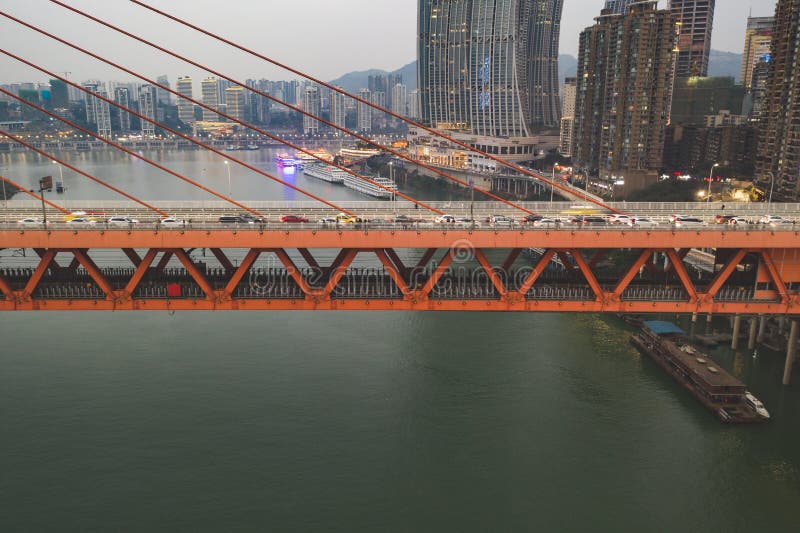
x=294, y=219
x=531, y=219
x=641, y=222
x=547, y=223
x=344, y=218
x=769, y=219
x=121, y=221
x=689, y=222
x=739, y=221
x=445, y=219
x=30, y=221
x=467, y=223
x=234, y=219
x=328, y=222
x=172, y=222
x=619, y=218
x=500, y=221
x=81, y=221
x=723, y=219
x=588, y=221
x=250, y=217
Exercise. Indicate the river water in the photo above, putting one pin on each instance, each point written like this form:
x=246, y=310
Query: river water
x=341, y=421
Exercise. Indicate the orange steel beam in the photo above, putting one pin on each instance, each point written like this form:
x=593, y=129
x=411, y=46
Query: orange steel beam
x=290, y=267
x=309, y=258
x=141, y=270
x=162, y=263
x=777, y=280
x=392, y=269
x=676, y=263
x=133, y=256
x=223, y=260
x=33, y=194
x=628, y=277
x=166, y=128
x=487, y=267
x=564, y=258
x=5, y=288
x=44, y=264
x=243, y=269
x=398, y=263
x=328, y=86
x=437, y=274
x=277, y=101
x=338, y=271
x=91, y=268
x=410, y=304
x=194, y=272
x=536, y=272
x=426, y=258
x=79, y=171
x=682, y=253
x=41, y=251
x=725, y=273
x=130, y=152
x=596, y=257
x=338, y=259
x=587, y=272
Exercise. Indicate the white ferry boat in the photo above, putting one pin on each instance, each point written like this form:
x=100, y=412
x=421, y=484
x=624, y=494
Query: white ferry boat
x=324, y=172
x=370, y=189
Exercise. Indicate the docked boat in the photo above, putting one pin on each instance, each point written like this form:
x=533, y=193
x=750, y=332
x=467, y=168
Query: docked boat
x=720, y=392
x=283, y=160
x=313, y=156
x=370, y=189
x=756, y=404
x=324, y=172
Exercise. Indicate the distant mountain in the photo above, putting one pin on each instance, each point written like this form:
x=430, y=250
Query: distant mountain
x=567, y=67
x=724, y=64
x=353, y=81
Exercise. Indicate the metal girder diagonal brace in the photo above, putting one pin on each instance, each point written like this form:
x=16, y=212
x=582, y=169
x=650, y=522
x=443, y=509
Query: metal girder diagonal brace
x=398, y=263
x=437, y=274
x=91, y=268
x=198, y=276
x=487, y=267
x=775, y=275
x=5, y=288
x=587, y=272
x=536, y=272
x=133, y=256
x=725, y=273
x=309, y=258
x=293, y=271
x=631, y=273
x=338, y=271
x=36, y=277
x=510, y=259
x=393, y=271
x=682, y=253
x=244, y=267
x=223, y=260
x=676, y=263
x=162, y=263
x=141, y=270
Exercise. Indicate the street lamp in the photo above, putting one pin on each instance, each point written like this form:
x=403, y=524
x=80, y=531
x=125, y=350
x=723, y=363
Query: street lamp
x=552, y=185
x=61, y=180
x=228, y=166
x=771, y=185
x=710, y=179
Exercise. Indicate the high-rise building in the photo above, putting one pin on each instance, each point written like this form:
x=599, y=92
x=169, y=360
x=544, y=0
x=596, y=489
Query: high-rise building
x=311, y=104
x=123, y=97
x=164, y=97
x=185, y=107
x=147, y=108
x=400, y=100
x=210, y=91
x=413, y=104
x=695, y=19
x=624, y=90
x=235, y=102
x=757, y=43
x=778, y=161
x=568, y=117
x=489, y=67
x=618, y=6
x=338, y=111
x=97, y=110
x=364, y=112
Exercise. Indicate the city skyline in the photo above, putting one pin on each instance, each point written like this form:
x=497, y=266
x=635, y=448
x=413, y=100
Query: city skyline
x=355, y=18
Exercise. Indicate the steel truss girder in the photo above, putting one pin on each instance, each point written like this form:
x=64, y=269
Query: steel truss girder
x=418, y=297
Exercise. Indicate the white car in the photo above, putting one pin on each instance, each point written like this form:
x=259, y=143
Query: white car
x=769, y=219
x=122, y=221
x=689, y=222
x=30, y=221
x=547, y=223
x=782, y=222
x=329, y=222
x=501, y=221
x=620, y=219
x=171, y=222
x=445, y=219
x=738, y=221
x=641, y=222
x=81, y=221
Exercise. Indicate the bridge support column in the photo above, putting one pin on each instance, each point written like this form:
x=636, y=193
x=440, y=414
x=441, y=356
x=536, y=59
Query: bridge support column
x=709, y=316
x=737, y=326
x=791, y=353
x=751, y=338
x=762, y=327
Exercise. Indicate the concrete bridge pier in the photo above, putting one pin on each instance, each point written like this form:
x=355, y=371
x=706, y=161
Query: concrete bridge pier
x=709, y=316
x=737, y=326
x=762, y=327
x=752, y=336
x=791, y=353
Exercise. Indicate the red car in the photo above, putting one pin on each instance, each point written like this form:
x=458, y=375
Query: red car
x=293, y=218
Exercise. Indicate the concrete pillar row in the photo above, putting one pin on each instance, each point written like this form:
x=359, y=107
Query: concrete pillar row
x=791, y=353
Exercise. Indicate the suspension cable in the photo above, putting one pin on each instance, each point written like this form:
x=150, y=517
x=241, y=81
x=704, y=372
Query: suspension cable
x=129, y=152
x=175, y=132
x=407, y=120
x=82, y=173
x=33, y=194
x=269, y=97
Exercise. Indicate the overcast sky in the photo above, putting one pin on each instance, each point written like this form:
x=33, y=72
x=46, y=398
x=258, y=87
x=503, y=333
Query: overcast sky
x=326, y=38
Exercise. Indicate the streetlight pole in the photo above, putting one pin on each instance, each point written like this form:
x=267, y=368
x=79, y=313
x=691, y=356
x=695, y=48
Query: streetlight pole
x=228, y=166
x=61, y=180
x=710, y=179
x=771, y=185
x=552, y=186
